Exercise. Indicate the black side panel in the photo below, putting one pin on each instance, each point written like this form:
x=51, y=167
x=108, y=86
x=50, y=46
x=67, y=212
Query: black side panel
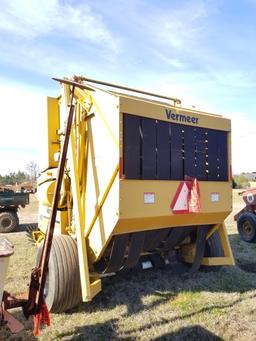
x=131, y=147
x=167, y=151
x=189, y=151
x=176, y=152
x=218, y=155
x=148, y=148
x=212, y=155
x=163, y=151
x=222, y=156
x=201, y=154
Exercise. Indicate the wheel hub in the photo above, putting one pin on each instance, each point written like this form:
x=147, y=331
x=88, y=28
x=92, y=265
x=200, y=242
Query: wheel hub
x=247, y=227
x=6, y=222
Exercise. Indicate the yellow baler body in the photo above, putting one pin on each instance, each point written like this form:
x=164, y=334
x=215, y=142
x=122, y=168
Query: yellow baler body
x=103, y=202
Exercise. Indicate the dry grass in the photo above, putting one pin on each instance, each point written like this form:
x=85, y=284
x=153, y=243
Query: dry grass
x=154, y=304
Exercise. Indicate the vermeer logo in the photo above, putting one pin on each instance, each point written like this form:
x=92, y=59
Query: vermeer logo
x=180, y=117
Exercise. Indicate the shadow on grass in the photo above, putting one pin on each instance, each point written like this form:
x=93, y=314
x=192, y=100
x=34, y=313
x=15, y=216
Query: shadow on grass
x=244, y=253
x=99, y=331
x=106, y=331
x=130, y=289
x=165, y=321
x=109, y=329
x=192, y=333
x=26, y=227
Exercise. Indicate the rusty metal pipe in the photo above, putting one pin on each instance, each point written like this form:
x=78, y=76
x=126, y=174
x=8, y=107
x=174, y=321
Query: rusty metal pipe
x=112, y=85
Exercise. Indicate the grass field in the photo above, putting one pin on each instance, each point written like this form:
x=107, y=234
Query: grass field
x=151, y=305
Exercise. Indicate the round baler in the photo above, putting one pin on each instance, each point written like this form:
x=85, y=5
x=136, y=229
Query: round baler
x=145, y=182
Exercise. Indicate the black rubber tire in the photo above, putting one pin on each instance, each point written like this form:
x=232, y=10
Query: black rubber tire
x=246, y=225
x=8, y=221
x=213, y=247
x=63, y=288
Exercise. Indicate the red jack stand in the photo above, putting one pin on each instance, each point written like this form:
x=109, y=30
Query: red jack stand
x=11, y=322
x=6, y=319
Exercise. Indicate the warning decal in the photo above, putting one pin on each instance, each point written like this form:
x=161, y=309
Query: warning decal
x=180, y=202
x=187, y=198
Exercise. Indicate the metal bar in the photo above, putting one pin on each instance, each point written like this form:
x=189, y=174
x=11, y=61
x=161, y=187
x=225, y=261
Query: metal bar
x=73, y=83
x=95, y=105
x=83, y=177
x=176, y=236
x=81, y=170
x=225, y=243
x=212, y=230
x=38, y=276
x=210, y=261
x=154, y=238
x=98, y=209
x=135, y=248
x=117, y=253
x=200, y=247
x=79, y=222
x=112, y=85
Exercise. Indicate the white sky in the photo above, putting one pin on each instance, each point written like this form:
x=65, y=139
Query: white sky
x=22, y=117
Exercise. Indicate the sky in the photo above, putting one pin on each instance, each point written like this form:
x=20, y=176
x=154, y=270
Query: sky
x=203, y=52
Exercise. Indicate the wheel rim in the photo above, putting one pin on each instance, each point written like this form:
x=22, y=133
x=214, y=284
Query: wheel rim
x=247, y=228
x=6, y=222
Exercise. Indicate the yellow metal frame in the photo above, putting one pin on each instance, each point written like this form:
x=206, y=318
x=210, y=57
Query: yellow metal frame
x=99, y=207
x=188, y=251
x=145, y=108
x=38, y=237
x=89, y=289
x=53, y=126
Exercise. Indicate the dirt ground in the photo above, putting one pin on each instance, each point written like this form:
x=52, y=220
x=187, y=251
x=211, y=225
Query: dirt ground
x=149, y=305
x=29, y=214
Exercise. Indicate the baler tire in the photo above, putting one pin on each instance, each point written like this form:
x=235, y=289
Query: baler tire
x=213, y=246
x=8, y=221
x=246, y=225
x=63, y=288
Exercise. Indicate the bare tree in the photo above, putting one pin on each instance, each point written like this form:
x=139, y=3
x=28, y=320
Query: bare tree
x=32, y=169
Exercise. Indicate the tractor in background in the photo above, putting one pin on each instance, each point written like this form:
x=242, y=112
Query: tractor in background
x=246, y=218
x=9, y=205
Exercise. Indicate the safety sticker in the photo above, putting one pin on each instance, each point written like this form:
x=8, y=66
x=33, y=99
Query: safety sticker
x=215, y=197
x=149, y=197
x=187, y=198
x=180, y=202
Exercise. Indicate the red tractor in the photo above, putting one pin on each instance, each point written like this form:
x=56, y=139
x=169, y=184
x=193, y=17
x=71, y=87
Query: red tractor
x=246, y=218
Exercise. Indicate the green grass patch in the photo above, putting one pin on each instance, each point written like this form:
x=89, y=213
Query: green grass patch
x=186, y=301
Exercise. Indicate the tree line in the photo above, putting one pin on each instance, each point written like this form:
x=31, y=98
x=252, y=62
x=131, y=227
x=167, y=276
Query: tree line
x=19, y=177
x=31, y=173
x=14, y=177
x=240, y=181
